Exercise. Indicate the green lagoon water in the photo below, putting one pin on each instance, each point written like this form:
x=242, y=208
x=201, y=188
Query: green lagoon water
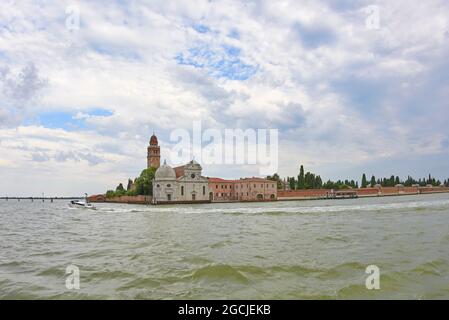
x=279, y=250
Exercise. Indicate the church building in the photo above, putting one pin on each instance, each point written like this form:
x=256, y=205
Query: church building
x=179, y=185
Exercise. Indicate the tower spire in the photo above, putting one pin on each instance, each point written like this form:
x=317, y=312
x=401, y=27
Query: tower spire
x=154, y=153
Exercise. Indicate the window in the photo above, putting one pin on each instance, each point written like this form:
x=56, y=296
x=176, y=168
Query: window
x=216, y=186
x=169, y=197
x=182, y=190
x=168, y=185
x=204, y=190
x=158, y=186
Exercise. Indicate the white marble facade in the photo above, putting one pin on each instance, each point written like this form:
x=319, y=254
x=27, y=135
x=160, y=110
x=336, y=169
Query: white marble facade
x=190, y=186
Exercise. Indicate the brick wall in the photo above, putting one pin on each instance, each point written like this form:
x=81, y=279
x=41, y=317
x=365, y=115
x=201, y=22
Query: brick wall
x=433, y=190
x=310, y=193
x=367, y=192
x=384, y=191
x=130, y=199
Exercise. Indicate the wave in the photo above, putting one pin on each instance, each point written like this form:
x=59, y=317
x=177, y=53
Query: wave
x=281, y=210
x=140, y=283
x=120, y=210
x=438, y=267
x=219, y=272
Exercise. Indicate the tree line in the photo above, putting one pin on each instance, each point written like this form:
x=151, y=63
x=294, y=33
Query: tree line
x=394, y=181
x=311, y=180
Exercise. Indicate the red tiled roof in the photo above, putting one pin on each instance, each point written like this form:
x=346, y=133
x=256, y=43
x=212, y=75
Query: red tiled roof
x=253, y=179
x=219, y=180
x=179, y=171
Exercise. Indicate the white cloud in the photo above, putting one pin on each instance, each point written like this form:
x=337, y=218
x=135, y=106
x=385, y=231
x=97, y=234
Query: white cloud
x=328, y=83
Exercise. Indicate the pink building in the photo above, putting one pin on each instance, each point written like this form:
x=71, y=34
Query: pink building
x=246, y=189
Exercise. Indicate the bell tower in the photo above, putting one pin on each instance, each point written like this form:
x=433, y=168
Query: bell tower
x=154, y=153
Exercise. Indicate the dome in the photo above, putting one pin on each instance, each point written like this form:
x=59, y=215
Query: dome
x=165, y=172
x=153, y=140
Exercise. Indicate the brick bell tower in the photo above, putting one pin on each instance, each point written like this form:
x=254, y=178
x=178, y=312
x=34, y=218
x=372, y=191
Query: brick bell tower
x=154, y=153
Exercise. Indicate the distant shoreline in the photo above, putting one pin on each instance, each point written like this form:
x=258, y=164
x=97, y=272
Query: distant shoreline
x=146, y=200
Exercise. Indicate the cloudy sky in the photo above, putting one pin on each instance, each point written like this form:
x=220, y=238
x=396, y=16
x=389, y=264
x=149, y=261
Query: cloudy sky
x=352, y=86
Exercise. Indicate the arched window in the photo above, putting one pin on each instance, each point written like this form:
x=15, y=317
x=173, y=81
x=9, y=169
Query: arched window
x=182, y=190
x=204, y=190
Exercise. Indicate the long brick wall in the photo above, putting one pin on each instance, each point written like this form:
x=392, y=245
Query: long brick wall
x=310, y=193
x=366, y=192
x=130, y=199
x=433, y=190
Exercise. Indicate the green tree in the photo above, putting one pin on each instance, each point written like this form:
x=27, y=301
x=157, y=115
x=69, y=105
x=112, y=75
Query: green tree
x=364, y=182
x=110, y=194
x=301, y=179
x=292, y=183
x=144, y=183
x=373, y=181
x=319, y=182
x=120, y=191
x=276, y=178
x=130, y=184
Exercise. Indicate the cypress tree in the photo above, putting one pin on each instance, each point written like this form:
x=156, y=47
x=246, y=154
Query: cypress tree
x=373, y=181
x=364, y=182
x=130, y=183
x=301, y=182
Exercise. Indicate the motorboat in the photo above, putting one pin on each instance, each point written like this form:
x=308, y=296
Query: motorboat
x=82, y=204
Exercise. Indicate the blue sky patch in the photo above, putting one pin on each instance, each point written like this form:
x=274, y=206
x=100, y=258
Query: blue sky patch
x=223, y=62
x=234, y=34
x=201, y=28
x=315, y=36
x=69, y=120
x=116, y=51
